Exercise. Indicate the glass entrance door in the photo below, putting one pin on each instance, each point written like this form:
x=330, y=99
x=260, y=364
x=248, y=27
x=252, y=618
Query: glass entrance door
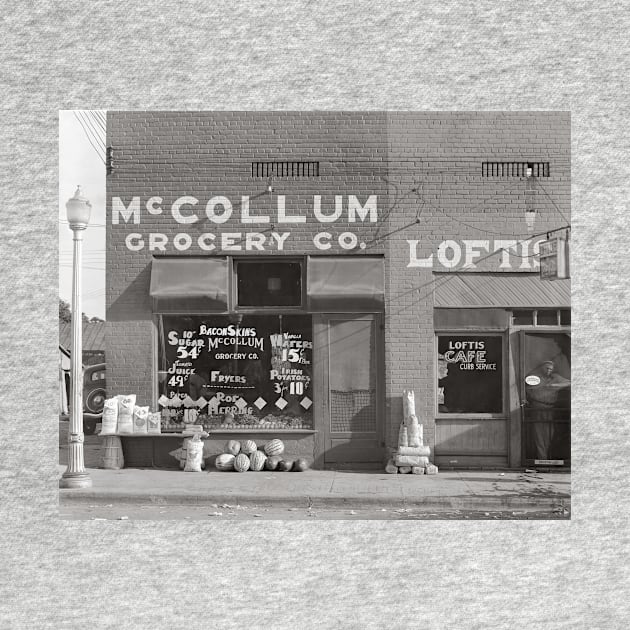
x=352, y=416
x=546, y=398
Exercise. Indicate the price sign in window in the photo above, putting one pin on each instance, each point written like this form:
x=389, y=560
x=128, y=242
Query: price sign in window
x=249, y=370
x=470, y=374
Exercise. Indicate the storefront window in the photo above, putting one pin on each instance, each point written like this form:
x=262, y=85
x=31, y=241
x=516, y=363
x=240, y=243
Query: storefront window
x=470, y=374
x=236, y=371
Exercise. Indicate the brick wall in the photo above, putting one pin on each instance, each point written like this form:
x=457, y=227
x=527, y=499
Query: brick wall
x=424, y=165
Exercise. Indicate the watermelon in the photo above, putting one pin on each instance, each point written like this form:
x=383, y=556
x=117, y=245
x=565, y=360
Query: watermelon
x=274, y=447
x=233, y=447
x=248, y=447
x=300, y=465
x=272, y=462
x=241, y=463
x=257, y=460
x=224, y=462
x=285, y=465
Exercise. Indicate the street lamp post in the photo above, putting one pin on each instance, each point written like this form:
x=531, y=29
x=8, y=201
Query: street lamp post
x=78, y=213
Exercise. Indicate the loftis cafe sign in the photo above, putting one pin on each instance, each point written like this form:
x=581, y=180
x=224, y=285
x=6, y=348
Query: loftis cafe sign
x=274, y=231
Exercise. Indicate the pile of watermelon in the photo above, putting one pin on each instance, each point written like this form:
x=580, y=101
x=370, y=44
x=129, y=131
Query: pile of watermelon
x=244, y=456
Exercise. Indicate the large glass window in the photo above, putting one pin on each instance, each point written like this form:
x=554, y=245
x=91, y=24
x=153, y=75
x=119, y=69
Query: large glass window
x=236, y=371
x=470, y=374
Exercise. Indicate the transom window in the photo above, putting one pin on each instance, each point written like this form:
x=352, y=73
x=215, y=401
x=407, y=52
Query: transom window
x=272, y=283
x=542, y=317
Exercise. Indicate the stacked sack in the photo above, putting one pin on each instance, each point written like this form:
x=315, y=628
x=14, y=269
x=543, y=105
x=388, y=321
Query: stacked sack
x=122, y=416
x=241, y=457
x=412, y=455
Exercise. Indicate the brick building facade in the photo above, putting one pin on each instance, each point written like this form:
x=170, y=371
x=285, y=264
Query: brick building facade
x=414, y=268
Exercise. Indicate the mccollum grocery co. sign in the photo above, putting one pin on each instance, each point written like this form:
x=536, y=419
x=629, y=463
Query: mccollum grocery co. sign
x=275, y=230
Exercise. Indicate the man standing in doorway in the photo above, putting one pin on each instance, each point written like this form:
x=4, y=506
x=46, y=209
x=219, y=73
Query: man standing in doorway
x=543, y=386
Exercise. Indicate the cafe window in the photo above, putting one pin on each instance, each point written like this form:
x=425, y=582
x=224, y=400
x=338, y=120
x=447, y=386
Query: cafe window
x=470, y=374
x=236, y=371
x=271, y=283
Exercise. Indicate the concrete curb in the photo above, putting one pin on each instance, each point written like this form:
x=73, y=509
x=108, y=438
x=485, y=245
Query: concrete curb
x=475, y=502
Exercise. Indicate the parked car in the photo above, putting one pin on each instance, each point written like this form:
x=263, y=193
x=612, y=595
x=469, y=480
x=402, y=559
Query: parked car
x=94, y=393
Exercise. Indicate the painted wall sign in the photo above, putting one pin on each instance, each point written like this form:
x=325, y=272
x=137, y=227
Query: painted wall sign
x=188, y=210
x=467, y=253
x=269, y=230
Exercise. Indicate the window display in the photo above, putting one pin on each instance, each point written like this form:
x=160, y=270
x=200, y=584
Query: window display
x=236, y=371
x=470, y=374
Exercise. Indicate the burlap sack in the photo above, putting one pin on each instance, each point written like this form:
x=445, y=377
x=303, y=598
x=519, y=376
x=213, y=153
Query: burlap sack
x=414, y=435
x=391, y=468
x=410, y=460
x=422, y=451
x=194, y=455
x=409, y=403
x=417, y=470
x=430, y=469
x=404, y=470
x=402, y=436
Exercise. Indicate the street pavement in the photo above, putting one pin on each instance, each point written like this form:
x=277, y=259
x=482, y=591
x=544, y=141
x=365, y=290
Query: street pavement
x=514, y=494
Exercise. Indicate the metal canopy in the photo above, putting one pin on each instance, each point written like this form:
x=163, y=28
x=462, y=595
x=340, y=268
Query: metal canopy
x=506, y=290
x=189, y=285
x=345, y=285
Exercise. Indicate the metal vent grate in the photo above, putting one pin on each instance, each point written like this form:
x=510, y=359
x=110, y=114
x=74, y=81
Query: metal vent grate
x=514, y=169
x=285, y=169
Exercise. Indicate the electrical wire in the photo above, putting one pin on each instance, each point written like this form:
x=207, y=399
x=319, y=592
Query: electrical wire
x=89, y=138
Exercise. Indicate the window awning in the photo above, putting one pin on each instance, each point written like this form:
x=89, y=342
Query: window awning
x=189, y=285
x=503, y=290
x=345, y=285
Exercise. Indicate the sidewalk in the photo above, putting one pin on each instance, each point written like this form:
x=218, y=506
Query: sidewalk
x=473, y=490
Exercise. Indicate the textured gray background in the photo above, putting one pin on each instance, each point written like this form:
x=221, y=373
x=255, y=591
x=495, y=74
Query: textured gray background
x=329, y=55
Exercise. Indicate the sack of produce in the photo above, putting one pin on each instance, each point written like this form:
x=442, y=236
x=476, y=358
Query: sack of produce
x=423, y=451
x=410, y=460
x=194, y=455
x=414, y=432
x=140, y=417
x=154, y=423
x=109, y=421
x=430, y=469
x=126, y=406
x=403, y=440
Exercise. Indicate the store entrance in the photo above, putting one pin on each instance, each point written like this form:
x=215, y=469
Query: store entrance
x=546, y=398
x=351, y=407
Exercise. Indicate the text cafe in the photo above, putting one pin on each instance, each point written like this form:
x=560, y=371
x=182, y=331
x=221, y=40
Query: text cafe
x=289, y=274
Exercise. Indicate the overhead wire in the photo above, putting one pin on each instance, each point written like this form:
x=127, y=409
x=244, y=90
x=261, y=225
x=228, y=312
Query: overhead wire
x=89, y=137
